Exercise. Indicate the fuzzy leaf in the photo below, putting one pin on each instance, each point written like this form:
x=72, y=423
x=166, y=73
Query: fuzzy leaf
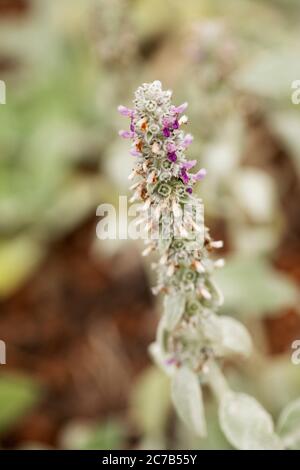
x=210, y=329
x=246, y=424
x=187, y=399
x=289, y=425
x=261, y=289
x=235, y=337
x=160, y=359
x=173, y=310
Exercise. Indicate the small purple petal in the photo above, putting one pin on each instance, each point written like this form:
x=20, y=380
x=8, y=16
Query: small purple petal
x=189, y=190
x=132, y=127
x=166, y=132
x=188, y=165
x=200, y=175
x=171, y=147
x=179, y=109
x=184, y=176
x=172, y=156
x=167, y=121
x=188, y=139
x=135, y=153
x=176, y=124
x=170, y=361
x=126, y=134
x=125, y=111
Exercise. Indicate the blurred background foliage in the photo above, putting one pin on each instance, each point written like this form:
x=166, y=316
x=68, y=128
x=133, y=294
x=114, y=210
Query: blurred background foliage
x=76, y=313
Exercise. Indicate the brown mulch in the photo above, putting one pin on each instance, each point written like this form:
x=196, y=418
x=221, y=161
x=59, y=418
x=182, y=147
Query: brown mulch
x=81, y=327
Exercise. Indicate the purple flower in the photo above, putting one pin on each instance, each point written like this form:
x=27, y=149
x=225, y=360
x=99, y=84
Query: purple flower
x=166, y=132
x=125, y=111
x=171, y=147
x=176, y=124
x=188, y=139
x=166, y=121
x=132, y=127
x=185, y=177
x=179, y=109
x=126, y=134
x=172, y=156
x=199, y=175
x=190, y=164
x=189, y=190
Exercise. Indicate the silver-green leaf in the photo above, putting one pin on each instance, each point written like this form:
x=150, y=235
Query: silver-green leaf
x=235, y=337
x=289, y=425
x=246, y=424
x=173, y=309
x=187, y=398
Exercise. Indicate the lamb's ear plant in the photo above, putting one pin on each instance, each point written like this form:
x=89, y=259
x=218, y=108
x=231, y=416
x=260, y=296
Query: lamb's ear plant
x=192, y=339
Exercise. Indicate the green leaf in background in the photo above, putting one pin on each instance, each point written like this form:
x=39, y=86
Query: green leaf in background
x=107, y=436
x=17, y=395
x=187, y=398
x=79, y=435
x=246, y=424
x=152, y=18
x=273, y=380
x=271, y=73
x=255, y=192
x=18, y=259
x=215, y=439
x=252, y=287
x=150, y=403
x=288, y=426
